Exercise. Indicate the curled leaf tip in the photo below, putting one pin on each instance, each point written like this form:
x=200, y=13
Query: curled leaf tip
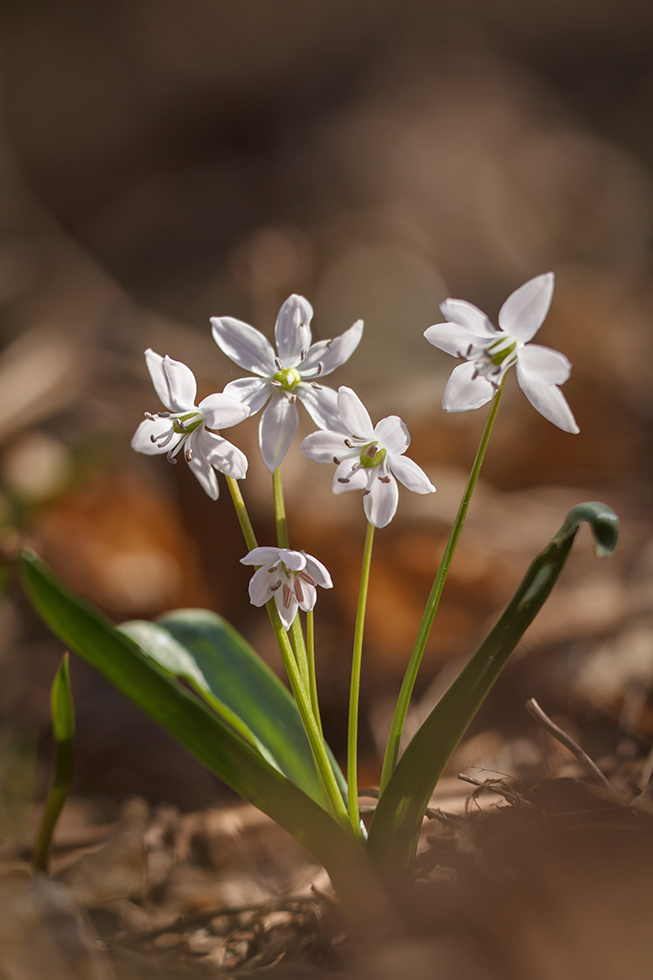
x=603, y=522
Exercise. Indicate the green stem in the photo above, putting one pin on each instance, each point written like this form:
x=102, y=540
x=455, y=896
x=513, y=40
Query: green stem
x=352, y=737
x=394, y=738
x=296, y=631
x=302, y=699
x=312, y=680
x=63, y=724
x=241, y=513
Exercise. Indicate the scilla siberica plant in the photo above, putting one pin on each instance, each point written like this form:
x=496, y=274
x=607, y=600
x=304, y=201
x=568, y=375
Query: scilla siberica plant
x=231, y=711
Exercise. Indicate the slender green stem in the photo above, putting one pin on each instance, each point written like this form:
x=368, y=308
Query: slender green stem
x=312, y=681
x=394, y=738
x=241, y=513
x=296, y=632
x=352, y=737
x=63, y=725
x=302, y=698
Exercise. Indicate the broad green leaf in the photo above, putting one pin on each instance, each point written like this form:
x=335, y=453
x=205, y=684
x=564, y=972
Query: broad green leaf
x=205, y=650
x=179, y=712
x=63, y=730
x=398, y=817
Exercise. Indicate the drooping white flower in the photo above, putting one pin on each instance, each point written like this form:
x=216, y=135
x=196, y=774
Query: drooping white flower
x=286, y=376
x=368, y=458
x=489, y=353
x=185, y=425
x=290, y=576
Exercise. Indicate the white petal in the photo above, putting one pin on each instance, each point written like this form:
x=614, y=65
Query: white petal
x=322, y=405
x=354, y=414
x=333, y=353
x=261, y=556
x=318, y=572
x=464, y=392
x=221, y=411
x=260, y=584
x=294, y=560
x=524, y=311
x=310, y=597
x=453, y=338
x=173, y=382
x=222, y=455
x=467, y=315
x=542, y=364
x=380, y=503
x=410, y=474
x=549, y=401
x=277, y=430
x=202, y=469
x=253, y=392
x=393, y=435
x=292, y=331
x=287, y=613
x=142, y=442
x=355, y=481
x=244, y=345
x=323, y=446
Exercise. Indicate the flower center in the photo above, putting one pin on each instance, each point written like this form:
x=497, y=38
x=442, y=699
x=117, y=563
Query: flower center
x=371, y=456
x=500, y=350
x=288, y=378
x=183, y=425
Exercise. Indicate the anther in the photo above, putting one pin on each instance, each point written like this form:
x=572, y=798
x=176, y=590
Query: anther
x=469, y=350
x=299, y=592
x=384, y=479
x=314, y=385
x=277, y=361
x=170, y=457
x=164, y=415
x=306, y=577
x=273, y=568
x=182, y=425
x=343, y=479
x=302, y=356
x=348, y=444
x=152, y=438
x=371, y=451
x=150, y=417
x=475, y=374
x=277, y=585
x=188, y=453
x=320, y=369
x=277, y=384
x=287, y=596
x=366, y=492
x=292, y=399
x=336, y=461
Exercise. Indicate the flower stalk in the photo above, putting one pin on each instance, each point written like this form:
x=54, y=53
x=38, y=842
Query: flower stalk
x=354, y=691
x=399, y=718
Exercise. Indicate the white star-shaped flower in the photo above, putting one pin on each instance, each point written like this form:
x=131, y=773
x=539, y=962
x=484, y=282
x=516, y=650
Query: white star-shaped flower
x=290, y=576
x=185, y=425
x=286, y=376
x=368, y=458
x=488, y=353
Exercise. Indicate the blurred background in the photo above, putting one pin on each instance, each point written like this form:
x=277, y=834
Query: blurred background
x=164, y=162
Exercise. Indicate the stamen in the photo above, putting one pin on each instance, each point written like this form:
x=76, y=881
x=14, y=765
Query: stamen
x=299, y=592
x=320, y=369
x=277, y=585
x=278, y=363
x=171, y=458
x=384, y=479
x=336, y=461
x=365, y=492
x=292, y=399
x=163, y=440
x=343, y=479
x=287, y=596
x=306, y=577
x=273, y=568
x=314, y=385
x=153, y=438
x=150, y=418
x=469, y=350
x=348, y=444
x=164, y=415
x=475, y=374
x=188, y=453
x=277, y=384
x=302, y=356
x=181, y=425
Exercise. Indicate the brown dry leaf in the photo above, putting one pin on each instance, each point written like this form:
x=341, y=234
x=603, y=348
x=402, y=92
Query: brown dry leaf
x=42, y=933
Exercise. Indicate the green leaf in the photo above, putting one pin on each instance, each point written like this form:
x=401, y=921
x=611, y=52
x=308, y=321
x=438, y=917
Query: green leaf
x=63, y=728
x=396, y=824
x=205, y=650
x=85, y=631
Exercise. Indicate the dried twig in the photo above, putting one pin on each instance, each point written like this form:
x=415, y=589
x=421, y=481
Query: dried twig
x=536, y=712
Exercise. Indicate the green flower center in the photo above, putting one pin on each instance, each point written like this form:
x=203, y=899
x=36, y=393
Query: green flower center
x=183, y=426
x=371, y=456
x=497, y=354
x=288, y=378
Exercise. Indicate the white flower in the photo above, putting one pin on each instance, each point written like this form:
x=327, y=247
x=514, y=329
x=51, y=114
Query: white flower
x=184, y=424
x=290, y=576
x=287, y=376
x=368, y=458
x=488, y=353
